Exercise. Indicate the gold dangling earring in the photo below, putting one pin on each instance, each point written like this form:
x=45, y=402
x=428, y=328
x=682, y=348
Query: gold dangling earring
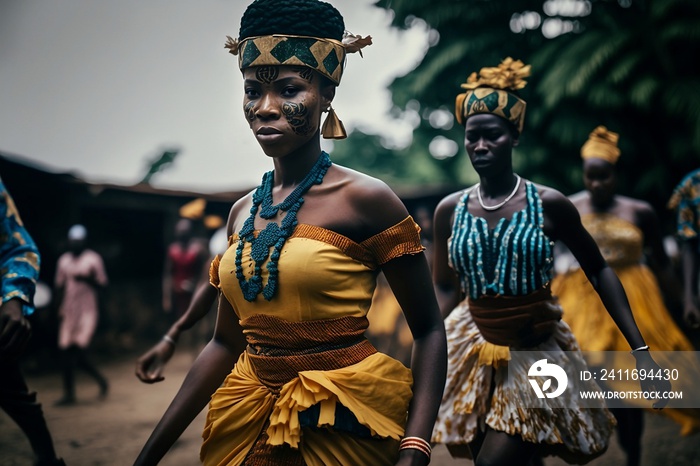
x=333, y=128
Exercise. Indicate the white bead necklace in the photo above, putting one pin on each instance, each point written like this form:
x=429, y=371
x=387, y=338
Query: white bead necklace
x=500, y=204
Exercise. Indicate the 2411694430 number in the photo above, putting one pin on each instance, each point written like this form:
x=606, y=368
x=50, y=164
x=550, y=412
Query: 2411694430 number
x=630, y=374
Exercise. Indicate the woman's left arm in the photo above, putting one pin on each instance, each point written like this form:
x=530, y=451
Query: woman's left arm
x=411, y=282
x=563, y=222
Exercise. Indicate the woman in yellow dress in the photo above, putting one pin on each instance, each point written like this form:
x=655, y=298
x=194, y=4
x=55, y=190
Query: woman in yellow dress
x=305, y=387
x=624, y=229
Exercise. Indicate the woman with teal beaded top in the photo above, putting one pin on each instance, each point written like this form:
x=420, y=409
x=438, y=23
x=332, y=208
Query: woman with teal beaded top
x=305, y=387
x=492, y=268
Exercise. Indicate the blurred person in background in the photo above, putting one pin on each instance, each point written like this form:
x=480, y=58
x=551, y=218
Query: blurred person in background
x=19, y=270
x=686, y=202
x=628, y=236
x=184, y=260
x=424, y=218
x=80, y=279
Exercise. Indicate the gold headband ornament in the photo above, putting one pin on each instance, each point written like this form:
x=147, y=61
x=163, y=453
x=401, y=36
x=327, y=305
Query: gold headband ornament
x=326, y=56
x=492, y=91
x=601, y=144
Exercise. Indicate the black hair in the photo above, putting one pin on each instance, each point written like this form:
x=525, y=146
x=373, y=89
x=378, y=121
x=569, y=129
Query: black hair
x=293, y=17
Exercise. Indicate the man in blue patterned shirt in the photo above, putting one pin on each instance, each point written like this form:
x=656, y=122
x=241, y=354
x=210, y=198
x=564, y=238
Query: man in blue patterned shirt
x=686, y=202
x=19, y=269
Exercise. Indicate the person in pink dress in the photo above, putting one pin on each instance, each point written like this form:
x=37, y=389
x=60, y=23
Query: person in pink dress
x=80, y=277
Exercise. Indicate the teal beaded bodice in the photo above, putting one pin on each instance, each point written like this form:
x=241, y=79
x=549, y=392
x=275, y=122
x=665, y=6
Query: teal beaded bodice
x=512, y=259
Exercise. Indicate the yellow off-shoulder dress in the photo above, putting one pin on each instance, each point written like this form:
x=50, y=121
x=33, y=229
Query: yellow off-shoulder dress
x=621, y=244
x=310, y=389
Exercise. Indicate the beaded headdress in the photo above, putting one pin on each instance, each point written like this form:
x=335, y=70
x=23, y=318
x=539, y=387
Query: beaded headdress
x=492, y=91
x=601, y=144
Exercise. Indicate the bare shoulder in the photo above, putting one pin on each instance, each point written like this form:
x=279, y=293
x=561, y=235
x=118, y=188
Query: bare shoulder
x=238, y=213
x=551, y=197
x=444, y=215
x=557, y=207
x=637, y=205
x=448, y=204
x=376, y=203
x=580, y=198
x=641, y=212
x=362, y=186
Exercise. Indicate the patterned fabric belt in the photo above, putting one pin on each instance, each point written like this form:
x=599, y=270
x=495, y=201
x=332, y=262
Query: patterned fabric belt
x=519, y=321
x=279, y=349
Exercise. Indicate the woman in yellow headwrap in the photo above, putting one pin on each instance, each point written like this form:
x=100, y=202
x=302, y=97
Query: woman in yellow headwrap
x=624, y=229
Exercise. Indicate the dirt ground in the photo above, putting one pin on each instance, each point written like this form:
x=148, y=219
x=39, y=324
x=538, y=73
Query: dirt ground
x=112, y=431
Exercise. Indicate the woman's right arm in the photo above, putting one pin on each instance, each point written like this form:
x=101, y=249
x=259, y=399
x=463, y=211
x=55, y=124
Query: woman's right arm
x=206, y=375
x=447, y=288
x=149, y=367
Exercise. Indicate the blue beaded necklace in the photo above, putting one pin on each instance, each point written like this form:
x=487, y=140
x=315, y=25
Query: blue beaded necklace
x=273, y=236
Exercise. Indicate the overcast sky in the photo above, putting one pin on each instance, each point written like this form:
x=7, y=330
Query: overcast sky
x=100, y=87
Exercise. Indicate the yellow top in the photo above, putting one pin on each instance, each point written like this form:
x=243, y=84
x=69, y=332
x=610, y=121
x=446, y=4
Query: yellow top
x=620, y=242
x=322, y=274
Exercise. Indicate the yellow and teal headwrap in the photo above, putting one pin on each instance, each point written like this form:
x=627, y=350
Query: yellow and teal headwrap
x=327, y=56
x=491, y=91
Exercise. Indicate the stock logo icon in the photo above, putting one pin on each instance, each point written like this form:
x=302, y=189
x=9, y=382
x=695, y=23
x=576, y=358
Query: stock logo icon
x=543, y=369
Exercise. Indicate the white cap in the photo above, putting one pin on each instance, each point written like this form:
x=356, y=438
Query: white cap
x=77, y=232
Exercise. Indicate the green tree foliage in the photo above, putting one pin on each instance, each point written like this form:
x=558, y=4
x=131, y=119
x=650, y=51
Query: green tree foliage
x=629, y=69
x=625, y=64
x=467, y=35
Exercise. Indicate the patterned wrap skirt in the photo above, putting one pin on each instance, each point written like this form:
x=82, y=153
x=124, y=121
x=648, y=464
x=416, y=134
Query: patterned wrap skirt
x=479, y=393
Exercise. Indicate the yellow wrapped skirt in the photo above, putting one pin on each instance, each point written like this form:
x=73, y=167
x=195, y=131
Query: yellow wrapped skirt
x=376, y=390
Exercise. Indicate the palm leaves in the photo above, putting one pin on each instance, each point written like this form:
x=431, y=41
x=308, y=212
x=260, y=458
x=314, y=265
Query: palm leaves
x=631, y=75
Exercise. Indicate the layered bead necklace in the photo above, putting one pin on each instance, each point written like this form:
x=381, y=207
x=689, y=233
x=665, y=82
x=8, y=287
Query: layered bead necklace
x=272, y=236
